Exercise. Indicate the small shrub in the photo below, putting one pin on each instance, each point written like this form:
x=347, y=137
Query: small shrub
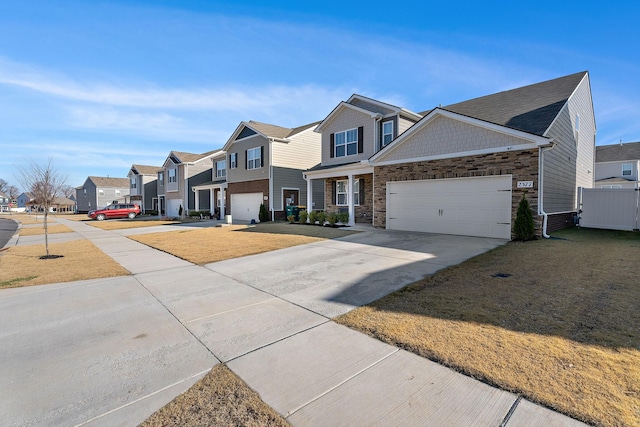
x=343, y=217
x=291, y=219
x=263, y=216
x=180, y=210
x=524, y=227
x=194, y=214
x=313, y=217
x=303, y=217
x=332, y=218
x=321, y=217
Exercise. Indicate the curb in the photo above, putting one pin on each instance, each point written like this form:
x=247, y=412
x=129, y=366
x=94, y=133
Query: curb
x=13, y=241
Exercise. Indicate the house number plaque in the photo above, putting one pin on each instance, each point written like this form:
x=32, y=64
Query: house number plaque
x=525, y=184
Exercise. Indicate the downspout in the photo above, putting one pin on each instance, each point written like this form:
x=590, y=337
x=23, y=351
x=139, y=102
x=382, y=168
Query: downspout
x=270, y=147
x=541, y=188
x=186, y=192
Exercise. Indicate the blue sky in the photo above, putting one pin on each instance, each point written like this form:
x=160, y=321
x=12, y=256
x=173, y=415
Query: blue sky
x=98, y=86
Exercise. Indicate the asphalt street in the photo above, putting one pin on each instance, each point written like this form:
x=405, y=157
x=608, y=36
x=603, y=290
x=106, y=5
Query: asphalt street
x=8, y=228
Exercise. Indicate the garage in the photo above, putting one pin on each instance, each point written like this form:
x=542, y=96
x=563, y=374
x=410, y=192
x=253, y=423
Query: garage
x=246, y=206
x=478, y=206
x=173, y=208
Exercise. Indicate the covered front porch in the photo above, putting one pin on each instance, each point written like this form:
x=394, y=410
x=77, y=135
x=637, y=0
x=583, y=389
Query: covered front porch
x=347, y=187
x=217, y=195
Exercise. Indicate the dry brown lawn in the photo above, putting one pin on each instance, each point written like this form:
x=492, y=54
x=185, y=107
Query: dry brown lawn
x=561, y=329
x=22, y=266
x=219, y=399
x=214, y=244
x=52, y=228
x=120, y=224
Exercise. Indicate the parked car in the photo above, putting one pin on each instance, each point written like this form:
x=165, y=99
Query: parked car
x=115, y=211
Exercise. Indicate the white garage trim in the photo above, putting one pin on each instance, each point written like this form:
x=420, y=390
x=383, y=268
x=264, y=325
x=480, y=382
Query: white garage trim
x=246, y=206
x=173, y=207
x=478, y=206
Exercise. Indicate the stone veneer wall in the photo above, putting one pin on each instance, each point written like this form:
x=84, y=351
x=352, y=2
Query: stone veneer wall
x=364, y=212
x=257, y=186
x=522, y=165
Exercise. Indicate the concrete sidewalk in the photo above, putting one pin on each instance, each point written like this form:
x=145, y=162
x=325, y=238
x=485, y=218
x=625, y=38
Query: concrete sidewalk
x=112, y=351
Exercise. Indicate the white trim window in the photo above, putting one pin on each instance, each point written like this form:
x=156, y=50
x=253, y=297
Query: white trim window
x=171, y=173
x=627, y=169
x=100, y=192
x=611, y=186
x=118, y=193
x=233, y=160
x=221, y=169
x=133, y=182
x=161, y=178
x=356, y=192
x=387, y=132
x=346, y=143
x=341, y=192
x=254, y=160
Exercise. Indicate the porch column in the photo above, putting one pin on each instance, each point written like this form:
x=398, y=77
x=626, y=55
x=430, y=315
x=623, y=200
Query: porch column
x=350, y=201
x=223, y=199
x=309, y=196
x=197, y=197
x=212, y=202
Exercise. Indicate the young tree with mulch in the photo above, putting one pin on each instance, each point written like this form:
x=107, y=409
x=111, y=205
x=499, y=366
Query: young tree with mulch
x=524, y=227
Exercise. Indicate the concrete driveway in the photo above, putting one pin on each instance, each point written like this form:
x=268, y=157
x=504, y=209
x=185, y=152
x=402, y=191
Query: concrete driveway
x=113, y=351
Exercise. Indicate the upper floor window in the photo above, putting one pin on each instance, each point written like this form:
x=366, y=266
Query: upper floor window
x=221, y=168
x=172, y=175
x=118, y=193
x=133, y=182
x=346, y=143
x=233, y=160
x=100, y=192
x=161, y=178
x=387, y=132
x=84, y=191
x=626, y=169
x=254, y=158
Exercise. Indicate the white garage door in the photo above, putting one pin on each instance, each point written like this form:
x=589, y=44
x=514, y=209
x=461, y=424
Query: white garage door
x=245, y=207
x=173, y=208
x=466, y=206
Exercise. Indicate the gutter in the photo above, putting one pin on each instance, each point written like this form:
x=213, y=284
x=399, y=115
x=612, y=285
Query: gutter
x=541, y=187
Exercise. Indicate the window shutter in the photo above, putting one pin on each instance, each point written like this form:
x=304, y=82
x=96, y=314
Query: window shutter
x=262, y=156
x=361, y=139
x=361, y=189
x=332, y=145
x=335, y=192
x=246, y=160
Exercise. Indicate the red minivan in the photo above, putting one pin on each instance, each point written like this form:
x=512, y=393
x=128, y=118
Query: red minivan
x=115, y=211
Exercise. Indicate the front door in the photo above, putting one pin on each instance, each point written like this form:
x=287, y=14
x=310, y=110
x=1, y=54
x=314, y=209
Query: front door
x=291, y=197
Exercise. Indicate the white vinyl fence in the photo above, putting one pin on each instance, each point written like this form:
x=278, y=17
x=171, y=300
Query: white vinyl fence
x=614, y=209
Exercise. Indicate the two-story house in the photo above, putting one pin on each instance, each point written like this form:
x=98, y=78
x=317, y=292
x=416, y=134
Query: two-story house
x=23, y=199
x=143, y=187
x=216, y=188
x=100, y=191
x=617, y=165
x=180, y=173
x=462, y=168
x=264, y=165
x=353, y=132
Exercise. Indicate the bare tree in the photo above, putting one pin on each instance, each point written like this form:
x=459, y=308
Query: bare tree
x=13, y=192
x=44, y=183
x=4, y=185
x=67, y=191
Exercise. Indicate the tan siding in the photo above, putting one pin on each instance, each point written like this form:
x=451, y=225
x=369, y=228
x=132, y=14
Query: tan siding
x=240, y=173
x=403, y=125
x=345, y=120
x=580, y=103
x=301, y=152
x=447, y=136
x=614, y=170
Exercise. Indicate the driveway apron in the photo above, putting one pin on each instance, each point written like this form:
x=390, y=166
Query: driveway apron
x=113, y=351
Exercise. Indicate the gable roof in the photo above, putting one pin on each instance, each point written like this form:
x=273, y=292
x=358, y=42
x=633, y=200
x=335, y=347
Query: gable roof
x=267, y=131
x=531, y=108
x=191, y=157
x=618, y=152
x=146, y=170
x=101, y=181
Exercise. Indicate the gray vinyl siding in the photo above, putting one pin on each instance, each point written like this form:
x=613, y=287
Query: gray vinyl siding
x=88, y=201
x=349, y=119
x=571, y=162
x=614, y=170
x=241, y=173
x=110, y=195
x=301, y=152
x=160, y=184
x=317, y=188
x=287, y=178
x=149, y=192
x=195, y=179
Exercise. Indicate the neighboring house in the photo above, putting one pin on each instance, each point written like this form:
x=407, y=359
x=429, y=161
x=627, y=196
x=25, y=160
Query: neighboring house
x=180, y=173
x=353, y=132
x=98, y=191
x=216, y=188
x=4, y=202
x=143, y=189
x=617, y=166
x=264, y=165
x=60, y=204
x=463, y=168
x=23, y=199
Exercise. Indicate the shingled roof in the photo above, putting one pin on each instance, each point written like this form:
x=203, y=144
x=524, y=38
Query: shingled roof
x=192, y=157
x=147, y=170
x=279, y=132
x=101, y=181
x=530, y=108
x=618, y=152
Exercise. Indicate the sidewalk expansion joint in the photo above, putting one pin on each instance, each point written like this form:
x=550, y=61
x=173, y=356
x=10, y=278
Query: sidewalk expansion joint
x=510, y=413
x=341, y=383
x=229, y=311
